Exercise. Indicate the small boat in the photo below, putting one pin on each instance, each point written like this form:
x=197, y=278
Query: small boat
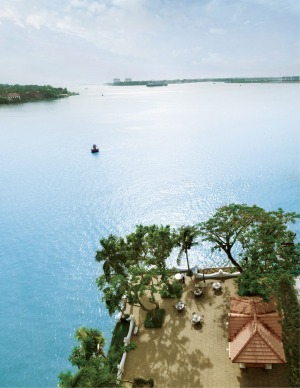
x=94, y=149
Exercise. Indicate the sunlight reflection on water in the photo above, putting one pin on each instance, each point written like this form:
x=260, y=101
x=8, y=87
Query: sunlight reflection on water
x=167, y=156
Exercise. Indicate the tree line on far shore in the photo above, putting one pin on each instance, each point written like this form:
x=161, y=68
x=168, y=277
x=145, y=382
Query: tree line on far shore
x=13, y=94
x=257, y=243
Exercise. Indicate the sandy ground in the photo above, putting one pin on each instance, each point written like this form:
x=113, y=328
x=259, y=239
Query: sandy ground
x=182, y=355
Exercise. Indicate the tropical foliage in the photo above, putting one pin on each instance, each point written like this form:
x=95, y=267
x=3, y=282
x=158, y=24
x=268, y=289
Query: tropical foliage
x=27, y=93
x=289, y=305
x=155, y=319
x=257, y=242
x=186, y=239
x=116, y=348
x=253, y=238
x=93, y=367
x=135, y=266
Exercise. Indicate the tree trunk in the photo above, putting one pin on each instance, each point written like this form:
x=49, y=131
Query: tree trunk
x=143, y=307
x=234, y=262
x=187, y=259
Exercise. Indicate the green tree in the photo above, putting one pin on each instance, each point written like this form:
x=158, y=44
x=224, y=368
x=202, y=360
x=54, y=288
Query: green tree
x=253, y=282
x=138, y=285
x=151, y=245
x=95, y=373
x=91, y=345
x=186, y=239
x=260, y=238
x=271, y=245
x=89, y=358
x=135, y=266
x=113, y=255
x=288, y=304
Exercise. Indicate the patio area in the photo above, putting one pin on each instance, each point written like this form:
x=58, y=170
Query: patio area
x=181, y=354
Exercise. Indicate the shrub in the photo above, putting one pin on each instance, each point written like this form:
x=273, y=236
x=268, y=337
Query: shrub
x=116, y=348
x=155, y=319
x=172, y=290
x=289, y=305
x=139, y=382
x=252, y=283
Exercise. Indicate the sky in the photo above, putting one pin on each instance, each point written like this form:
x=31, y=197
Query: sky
x=94, y=41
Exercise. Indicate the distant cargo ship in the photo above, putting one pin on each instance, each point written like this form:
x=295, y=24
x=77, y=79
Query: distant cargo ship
x=156, y=83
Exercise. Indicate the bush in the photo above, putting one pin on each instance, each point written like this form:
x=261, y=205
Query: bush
x=172, y=290
x=252, y=283
x=155, y=319
x=116, y=348
x=139, y=382
x=289, y=305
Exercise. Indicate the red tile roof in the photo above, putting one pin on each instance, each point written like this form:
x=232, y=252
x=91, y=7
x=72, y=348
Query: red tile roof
x=254, y=332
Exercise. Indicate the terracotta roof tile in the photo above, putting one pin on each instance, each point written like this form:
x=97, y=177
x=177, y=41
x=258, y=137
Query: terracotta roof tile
x=250, y=305
x=272, y=321
x=255, y=332
x=255, y=344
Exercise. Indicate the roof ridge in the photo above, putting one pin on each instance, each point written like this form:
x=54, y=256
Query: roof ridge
x=261, y=334
x=268, y=328
x=250, y=323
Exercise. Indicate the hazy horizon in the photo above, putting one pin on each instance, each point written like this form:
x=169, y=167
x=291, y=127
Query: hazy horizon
x=89, y=41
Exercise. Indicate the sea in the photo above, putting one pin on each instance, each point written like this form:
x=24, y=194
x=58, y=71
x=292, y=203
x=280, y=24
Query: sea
x=168, y=155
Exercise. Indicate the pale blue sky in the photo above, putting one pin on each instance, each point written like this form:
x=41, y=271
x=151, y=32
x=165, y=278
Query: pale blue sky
x=94, y=41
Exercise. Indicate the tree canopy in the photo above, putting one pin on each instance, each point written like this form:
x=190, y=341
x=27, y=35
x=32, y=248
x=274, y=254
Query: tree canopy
x=186, y=238
x=252, y=237
x=135, y=266
x=93, y=367
x=28, y=93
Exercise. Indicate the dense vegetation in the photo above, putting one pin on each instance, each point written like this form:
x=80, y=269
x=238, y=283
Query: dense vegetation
x=95, y=369
x=93, y=365
x=136, y=266
x=155, y=319
x=289, y=306
x=256, y=242
x=116, y=348
x=14, y=94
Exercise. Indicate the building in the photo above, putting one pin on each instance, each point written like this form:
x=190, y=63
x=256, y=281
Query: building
x=128, y=80
x=13, y=96
x=116, y=80
x=254, y=333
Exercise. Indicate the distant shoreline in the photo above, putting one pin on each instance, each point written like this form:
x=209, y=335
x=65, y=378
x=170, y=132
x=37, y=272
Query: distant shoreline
x=285, y=79
x=16, y=94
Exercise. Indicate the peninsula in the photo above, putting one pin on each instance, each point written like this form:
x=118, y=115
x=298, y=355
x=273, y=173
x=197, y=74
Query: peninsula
x=13, y=94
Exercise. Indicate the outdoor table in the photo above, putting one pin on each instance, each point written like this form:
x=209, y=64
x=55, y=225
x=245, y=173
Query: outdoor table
x=198, y=292
x=197, y=318
x=178, y=276
x=179, y=306
x=216, y=286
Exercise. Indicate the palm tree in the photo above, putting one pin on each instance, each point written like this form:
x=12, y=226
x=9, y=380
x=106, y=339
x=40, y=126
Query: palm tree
x=186, y=239
x=92, y=341
x=113, y=255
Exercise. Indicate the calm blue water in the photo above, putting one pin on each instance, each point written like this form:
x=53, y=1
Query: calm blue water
x=168, y=155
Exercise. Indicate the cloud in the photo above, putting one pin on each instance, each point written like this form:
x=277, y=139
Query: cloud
x=7, y=13
x=173, y=37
